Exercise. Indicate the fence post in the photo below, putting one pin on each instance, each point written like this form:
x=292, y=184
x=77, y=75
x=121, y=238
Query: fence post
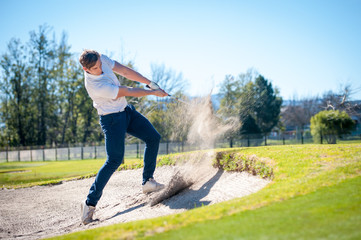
x=167, y=147
x=140, y=157
x=81, y=152
x=56, y=153
x=31, y=153
x=7, y=154
x=265, y=140
x=43, y=153
x=283, y=139
x=95, y=151
x=137, y=144
x=68, y=152
x=248, y=143
x=321, y=139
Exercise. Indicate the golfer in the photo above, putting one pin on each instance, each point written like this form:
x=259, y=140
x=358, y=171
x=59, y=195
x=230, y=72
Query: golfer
x=116, y=119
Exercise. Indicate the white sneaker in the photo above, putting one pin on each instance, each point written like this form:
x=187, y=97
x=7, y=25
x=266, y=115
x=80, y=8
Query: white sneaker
x=86, y=213
x=152, y=186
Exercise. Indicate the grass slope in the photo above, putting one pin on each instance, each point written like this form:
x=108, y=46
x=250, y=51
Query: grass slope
x=315, y=194
x=330, y=213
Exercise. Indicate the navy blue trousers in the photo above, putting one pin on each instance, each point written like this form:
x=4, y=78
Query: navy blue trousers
x=115, y=126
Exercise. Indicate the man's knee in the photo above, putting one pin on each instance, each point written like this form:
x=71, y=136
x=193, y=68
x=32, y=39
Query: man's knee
x=154, y=138
x=113, y=162
x=158, y=137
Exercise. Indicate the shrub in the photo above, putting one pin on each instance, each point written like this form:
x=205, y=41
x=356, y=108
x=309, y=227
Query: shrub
x=232, y=161
x=331, y=124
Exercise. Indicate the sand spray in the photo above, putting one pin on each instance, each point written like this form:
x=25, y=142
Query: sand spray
x=204, y=129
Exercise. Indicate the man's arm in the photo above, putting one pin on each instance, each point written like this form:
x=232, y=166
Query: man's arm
x=129, y=73
x=139, y=92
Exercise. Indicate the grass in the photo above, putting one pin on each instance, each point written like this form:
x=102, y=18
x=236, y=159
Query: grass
x=26, y=174
x=315, y=194
x=233, y=161
x=330, y=213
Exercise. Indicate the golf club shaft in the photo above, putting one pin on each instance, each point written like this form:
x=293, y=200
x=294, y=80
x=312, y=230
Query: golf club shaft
x=179, y=100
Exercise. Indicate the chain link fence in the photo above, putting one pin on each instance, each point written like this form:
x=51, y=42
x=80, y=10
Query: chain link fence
x=97, y=151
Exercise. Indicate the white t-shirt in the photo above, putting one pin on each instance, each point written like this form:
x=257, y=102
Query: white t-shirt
x=103, y=89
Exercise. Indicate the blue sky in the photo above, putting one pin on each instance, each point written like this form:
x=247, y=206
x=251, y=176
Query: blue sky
x=304, y=47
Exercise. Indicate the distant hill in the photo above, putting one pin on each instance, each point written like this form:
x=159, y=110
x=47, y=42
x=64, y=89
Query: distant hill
x=216, y=101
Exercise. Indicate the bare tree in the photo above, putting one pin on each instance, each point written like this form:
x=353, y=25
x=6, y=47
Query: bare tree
x=168, y=79
x=342, y=100
x=299, y=112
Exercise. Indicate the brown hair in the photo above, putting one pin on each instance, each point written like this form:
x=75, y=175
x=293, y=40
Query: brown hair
x=88, y=58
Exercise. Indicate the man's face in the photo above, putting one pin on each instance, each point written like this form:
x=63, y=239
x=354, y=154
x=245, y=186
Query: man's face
x=96, y=69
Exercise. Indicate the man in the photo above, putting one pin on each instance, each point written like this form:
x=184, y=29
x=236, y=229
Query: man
x=116, y=119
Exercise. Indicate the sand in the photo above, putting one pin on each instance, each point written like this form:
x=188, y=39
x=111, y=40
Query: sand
x=45, y=211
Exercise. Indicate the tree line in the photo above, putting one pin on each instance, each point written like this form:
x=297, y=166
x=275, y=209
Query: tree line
x=260, y=109
x=43, y=100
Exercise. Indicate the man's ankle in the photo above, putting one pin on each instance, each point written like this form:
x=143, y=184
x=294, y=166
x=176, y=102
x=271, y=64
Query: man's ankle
x=89, y=204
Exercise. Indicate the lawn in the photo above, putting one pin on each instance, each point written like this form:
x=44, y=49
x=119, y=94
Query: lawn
x=330, y=213
x=26, y=174
x=315, y=194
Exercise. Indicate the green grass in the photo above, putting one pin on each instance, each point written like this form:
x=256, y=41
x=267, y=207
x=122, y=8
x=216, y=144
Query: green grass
x=26, y=174
x=315, y=194
x=330, y=213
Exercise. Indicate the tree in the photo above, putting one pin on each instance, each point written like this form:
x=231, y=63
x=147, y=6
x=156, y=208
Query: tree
x=268, y=105
x=230, y=90
x=260, y=102
x=43, y=100
x=249, y=127
x=179, y=117
x=163, y=113
x=42, y=52
x=16, y=88
x=341, y=101
x=330, y=124
x=298, y=113
x=168, y=79
x=63, y=76
x=42, y=97
x=228, y=111
x=160, y=121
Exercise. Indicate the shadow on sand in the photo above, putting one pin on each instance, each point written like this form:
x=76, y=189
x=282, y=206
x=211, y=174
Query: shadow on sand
x=193, y=197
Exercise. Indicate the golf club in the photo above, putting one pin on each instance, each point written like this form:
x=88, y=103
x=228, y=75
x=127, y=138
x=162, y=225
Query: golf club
x=178, y=99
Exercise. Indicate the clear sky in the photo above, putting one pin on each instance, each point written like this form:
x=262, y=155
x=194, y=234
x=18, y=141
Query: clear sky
x=303, y=47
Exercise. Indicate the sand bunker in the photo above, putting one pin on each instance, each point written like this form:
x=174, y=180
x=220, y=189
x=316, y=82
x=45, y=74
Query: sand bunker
x=44, y=211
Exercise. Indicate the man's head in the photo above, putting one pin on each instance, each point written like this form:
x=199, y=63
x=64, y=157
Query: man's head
x=90, y=60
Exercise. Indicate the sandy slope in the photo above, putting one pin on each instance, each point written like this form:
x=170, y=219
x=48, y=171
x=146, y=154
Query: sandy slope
x=45, y=211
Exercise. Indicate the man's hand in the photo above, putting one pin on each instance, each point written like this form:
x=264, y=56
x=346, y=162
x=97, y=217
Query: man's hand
x=153, y=85
x=159, y=93
x=139, y=92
